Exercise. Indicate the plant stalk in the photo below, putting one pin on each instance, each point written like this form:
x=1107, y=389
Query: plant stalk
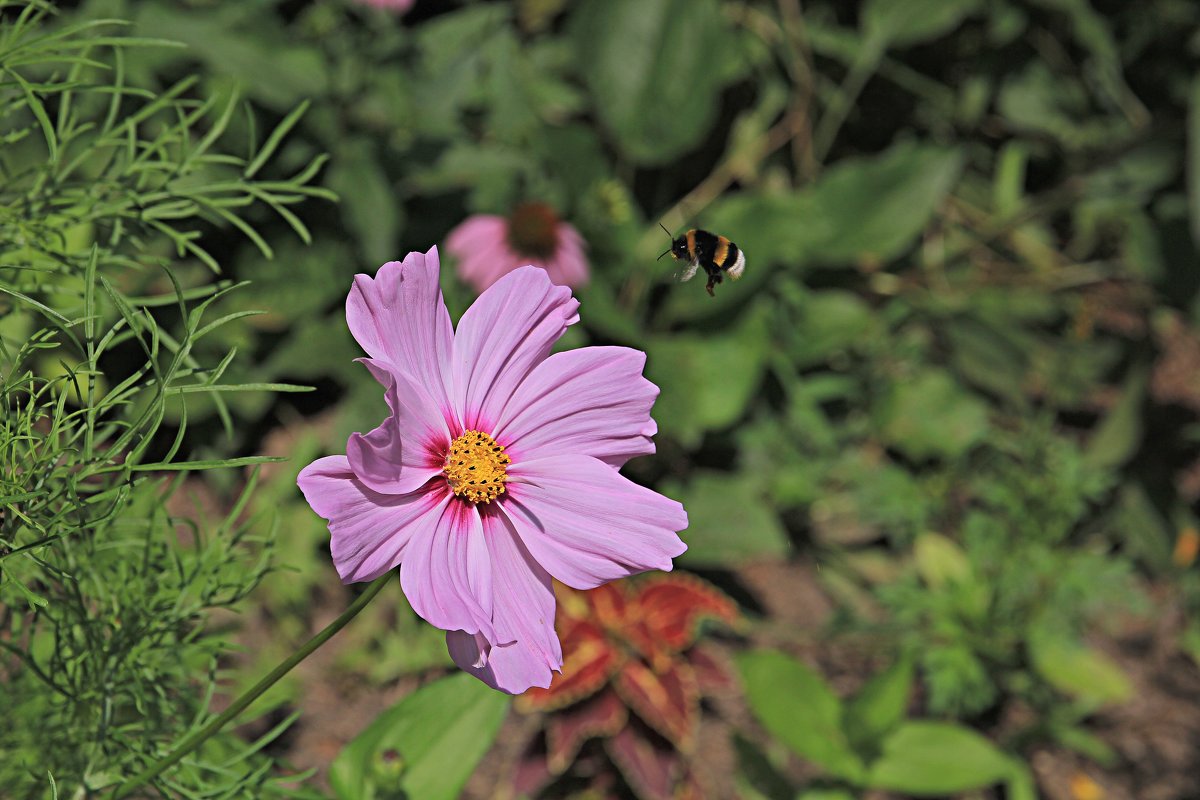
x=253, y=693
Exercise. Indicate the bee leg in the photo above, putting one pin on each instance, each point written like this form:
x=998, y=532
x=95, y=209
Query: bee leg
x=714, y=277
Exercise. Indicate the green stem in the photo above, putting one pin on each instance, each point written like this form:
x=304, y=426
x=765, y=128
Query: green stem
x=250, y=695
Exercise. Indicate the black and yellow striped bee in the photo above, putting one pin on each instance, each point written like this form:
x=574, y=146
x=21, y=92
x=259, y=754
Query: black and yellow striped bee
x=718, y=256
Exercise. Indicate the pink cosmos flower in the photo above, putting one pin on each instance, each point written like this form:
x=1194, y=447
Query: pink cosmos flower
x=399, y=6
x=489, y=247
x=497, y=468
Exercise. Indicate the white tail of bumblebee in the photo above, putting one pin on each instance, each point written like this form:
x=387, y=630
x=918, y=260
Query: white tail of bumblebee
x=738, y=267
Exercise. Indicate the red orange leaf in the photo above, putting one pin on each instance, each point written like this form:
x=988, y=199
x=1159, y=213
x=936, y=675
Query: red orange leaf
x=566, y=731
x=712, y=675
x=589, y=659
x=609, y=606
x=649, y=771
x=668, y=702
x=671, y=607
x=530, y=776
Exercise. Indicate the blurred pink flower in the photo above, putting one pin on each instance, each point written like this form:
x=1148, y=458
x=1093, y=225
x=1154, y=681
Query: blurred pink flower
x=399, y=6
x=484, y=414
x=489, y=247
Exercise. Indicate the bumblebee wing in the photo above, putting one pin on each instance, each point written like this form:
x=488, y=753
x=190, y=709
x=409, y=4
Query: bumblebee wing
x=688, y=272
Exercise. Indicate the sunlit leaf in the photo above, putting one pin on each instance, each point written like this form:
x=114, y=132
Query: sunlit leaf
x=798, y=708
x=636, y=52
x=937, y=758
x=426, y=745
x=729, y=521
x=880, y=705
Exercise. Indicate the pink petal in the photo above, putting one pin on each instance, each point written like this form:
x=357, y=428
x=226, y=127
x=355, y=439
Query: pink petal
x=488, y=265
x=409, y=448
x=569, y=266
x=368, y=531
x=447, y=572
x=480, y=243
x=523, y=614
x=587, y=524
x=399, y=317
x=507, y=332
x=592, y=401
x=476, y=232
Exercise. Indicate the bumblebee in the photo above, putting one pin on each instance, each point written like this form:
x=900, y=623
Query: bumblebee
x=718, y=256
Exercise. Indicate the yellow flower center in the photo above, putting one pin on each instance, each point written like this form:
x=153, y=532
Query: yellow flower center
x=476, y=467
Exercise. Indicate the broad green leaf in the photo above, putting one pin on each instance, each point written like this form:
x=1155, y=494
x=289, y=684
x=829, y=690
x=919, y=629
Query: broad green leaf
x=277, y=72
x=831, y=322
x=654, y=67
x=1119, y=434
x=706, y=382
x=425, y=746
x=729, y=521
x=929, y=415
x=879, y=706
x=798, y=708
x=937, y=758
x=940, y=561
x=873, y=209
x=861, y=209
x=1075, y=669
x=907, y=22
x=825, y=794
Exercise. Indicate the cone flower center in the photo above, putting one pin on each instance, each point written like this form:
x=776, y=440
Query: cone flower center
x=476, y=467
x=533, y=230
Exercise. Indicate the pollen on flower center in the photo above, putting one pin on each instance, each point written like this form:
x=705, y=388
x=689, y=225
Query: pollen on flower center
x=476, y=467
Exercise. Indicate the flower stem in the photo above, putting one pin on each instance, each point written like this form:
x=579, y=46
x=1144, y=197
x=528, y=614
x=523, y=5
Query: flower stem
x=253, y=693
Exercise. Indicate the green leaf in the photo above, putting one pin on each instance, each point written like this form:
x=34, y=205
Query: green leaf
x=708, y=382
x=940, y=561
x=937, y=758
x=831, y=322
x=873, y=209
x=1073, y=668
x=930, y=416
x=906, y=22
x=880, y=705
x=798, y=708
x=425, y=746
x=729, y=521
x=1120, y=433
x=654, y=69
x=279, y=73
x=868, y=209
x=368, y=202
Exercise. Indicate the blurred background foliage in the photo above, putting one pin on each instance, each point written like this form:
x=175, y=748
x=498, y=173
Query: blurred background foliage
x=955, y=393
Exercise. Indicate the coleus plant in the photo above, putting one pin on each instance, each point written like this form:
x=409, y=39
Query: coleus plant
x=632, y=678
